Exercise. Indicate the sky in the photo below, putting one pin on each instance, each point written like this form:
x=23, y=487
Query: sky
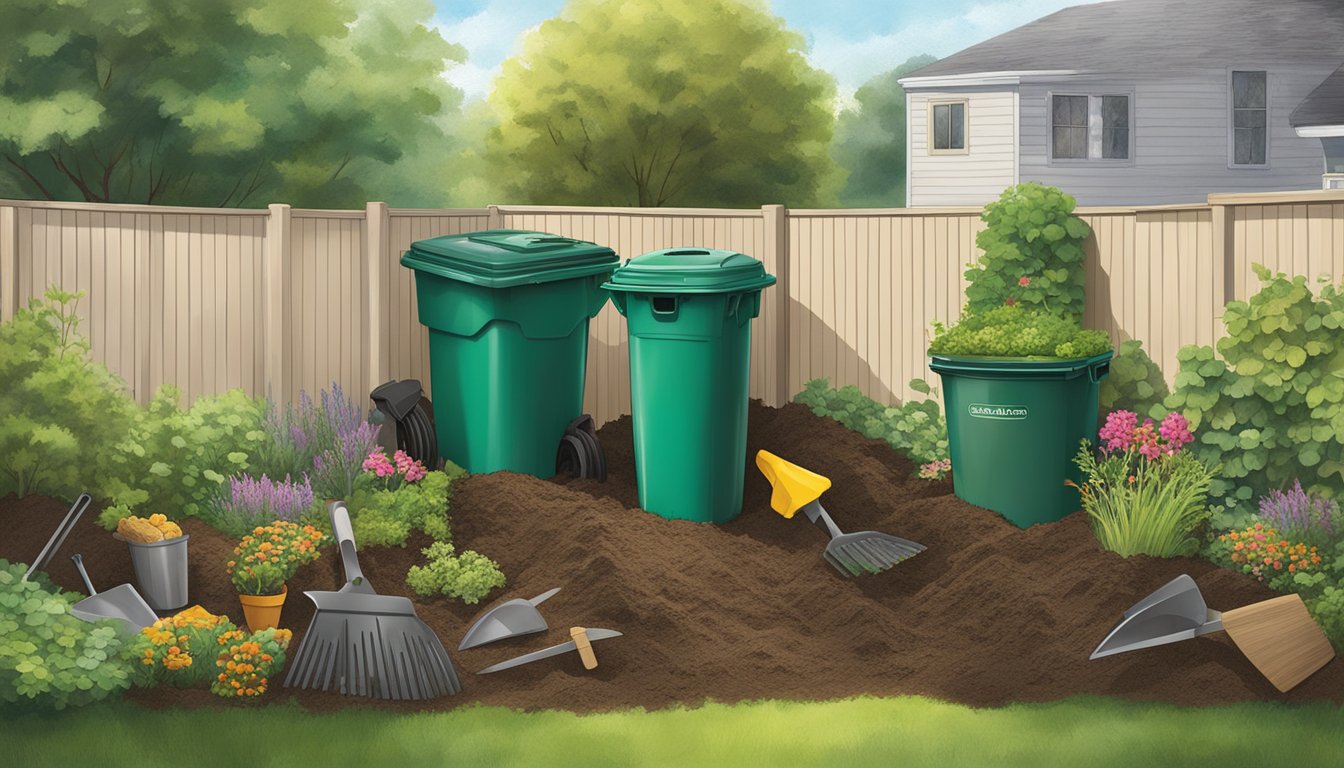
x=852, y=39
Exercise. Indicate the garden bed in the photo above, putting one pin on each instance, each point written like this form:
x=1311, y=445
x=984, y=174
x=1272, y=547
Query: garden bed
x=989, y=614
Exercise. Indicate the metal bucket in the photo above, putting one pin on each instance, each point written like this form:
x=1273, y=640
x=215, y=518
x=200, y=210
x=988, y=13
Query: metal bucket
x=161, y=571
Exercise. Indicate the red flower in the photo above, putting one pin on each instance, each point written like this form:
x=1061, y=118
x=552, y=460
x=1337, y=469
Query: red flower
x=1024, y=281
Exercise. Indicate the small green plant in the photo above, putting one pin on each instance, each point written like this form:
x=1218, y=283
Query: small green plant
x=1328, y=610
x=268, y=556
x=247, y=661
x=1144, y=495
x=915, y=428
x=48, y=658
x=384, y=517
x=1013, y=331
x=180, y=649
x=1033, y=253
x=61, y=413
x=1263, y=552
x=1135, y=383
x=1270, y=403
x=469, y=576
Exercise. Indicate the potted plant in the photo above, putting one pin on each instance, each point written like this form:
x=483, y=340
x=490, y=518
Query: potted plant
x=263, y=561
x=1020, y=373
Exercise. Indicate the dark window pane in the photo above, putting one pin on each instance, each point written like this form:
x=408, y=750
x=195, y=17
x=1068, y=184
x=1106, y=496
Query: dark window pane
x=1070, y=143
x=1334, y=154
x=1257, y=146
x=1248, y=118
x=1114, y=112
x=1115, y=144
x=958, y=138
x=941, y=119
x=1248, y=90
x=1241, y=149
x=1069, y=111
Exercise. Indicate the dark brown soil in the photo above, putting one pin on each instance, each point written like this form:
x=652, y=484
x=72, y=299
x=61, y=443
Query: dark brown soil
x=989, y=614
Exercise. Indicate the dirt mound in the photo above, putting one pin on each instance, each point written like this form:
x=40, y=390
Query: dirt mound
x=989, y=614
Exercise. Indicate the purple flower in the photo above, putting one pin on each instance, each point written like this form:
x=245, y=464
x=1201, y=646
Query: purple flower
x=1299, y=515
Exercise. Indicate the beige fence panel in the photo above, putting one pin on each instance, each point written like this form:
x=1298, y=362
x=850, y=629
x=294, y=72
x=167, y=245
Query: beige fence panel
x=326, y=303
x=1299, y=234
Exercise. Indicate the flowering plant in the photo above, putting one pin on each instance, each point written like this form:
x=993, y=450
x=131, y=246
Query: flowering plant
x=401, y=468
x=1143, y=494
x=265, y=558
x=246, y=662
x=935, y=470
x=168, y=649
x=1262, y=552
x=255, y=501
x=1302, y=516
x=326, y=439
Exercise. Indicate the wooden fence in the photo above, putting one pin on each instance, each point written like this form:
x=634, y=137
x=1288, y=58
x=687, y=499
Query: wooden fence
x=281, y=300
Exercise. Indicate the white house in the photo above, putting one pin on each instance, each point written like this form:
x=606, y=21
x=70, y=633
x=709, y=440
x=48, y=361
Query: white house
x=1134, y=102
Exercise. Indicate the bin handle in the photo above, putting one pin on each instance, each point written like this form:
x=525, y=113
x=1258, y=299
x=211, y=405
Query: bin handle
x=1096, y=373
x=734, y=302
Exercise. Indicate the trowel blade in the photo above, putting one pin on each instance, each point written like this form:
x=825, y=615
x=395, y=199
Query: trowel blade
x=508, y=619
x=1176, y=611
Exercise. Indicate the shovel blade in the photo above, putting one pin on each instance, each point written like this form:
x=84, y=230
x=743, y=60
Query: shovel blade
x=121, y=603
x=1175, y=611
x=510, y=619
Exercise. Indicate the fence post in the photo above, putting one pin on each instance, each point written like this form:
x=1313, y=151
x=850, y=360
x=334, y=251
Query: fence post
x=1225, y=275
x=494, y=219
x=375, y=309
x=9, y=261
x=777, y=298
x=276, y=281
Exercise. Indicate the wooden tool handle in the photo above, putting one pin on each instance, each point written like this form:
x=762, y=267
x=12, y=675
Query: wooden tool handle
x=580, y=636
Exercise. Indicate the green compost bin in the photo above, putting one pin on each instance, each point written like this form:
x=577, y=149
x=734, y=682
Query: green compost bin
x=689, y=312
x=507, y=312
x=1013, y=428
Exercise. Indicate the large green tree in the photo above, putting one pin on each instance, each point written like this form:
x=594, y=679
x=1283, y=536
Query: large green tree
x=870, y=141
x=219, y=102
x=661, y=102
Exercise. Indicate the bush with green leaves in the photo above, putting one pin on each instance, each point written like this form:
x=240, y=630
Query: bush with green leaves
x=48, y=658
x=1014, y=331
x=385, y=518
x=177, y=461
x=1033, y=253
x=915, y=428
x=61, y=413
x=1270, y=404
x=1135, y=383
x=1328, y=611
x=469, y=576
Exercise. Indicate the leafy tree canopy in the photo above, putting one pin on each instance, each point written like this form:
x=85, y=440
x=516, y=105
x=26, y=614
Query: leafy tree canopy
x=870, y=141
x=218, y=103
x=660, y=102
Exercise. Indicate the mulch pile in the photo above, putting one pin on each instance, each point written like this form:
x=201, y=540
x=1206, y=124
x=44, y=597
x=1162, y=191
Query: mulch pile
x=989, y=614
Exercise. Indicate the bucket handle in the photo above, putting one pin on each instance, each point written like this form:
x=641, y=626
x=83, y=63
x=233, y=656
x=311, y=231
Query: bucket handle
x=1095, y=373
x=734, y=302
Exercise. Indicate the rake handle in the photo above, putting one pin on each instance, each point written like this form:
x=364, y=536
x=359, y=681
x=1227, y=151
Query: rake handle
x=817, y=514
x=585, y=648
x=345, y=539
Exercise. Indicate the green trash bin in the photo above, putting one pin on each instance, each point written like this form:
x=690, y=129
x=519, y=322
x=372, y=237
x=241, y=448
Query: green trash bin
x=507, y=312
x=689, y=311
x=1013, y=427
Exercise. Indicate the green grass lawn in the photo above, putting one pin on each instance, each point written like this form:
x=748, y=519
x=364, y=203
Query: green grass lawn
x=859, y=732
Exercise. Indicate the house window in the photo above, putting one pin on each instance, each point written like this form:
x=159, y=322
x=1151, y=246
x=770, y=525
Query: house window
x=1086, y=127
x=947, y=127
x=1250, y=118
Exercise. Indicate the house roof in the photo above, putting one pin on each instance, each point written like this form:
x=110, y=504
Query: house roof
x=1323, y=106
x=1125, y=35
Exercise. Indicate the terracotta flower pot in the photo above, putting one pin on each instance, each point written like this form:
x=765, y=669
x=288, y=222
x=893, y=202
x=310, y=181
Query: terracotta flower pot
x=263, y=611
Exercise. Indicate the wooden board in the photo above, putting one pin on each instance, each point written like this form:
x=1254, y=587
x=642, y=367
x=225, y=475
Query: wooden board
x=1280, y=639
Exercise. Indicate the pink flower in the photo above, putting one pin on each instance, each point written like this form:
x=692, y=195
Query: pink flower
x=1024, y=281
x=1175, y=429
x=1118, y=432
x=1010, y=301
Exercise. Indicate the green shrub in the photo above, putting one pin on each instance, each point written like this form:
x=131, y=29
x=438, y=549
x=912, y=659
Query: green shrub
x=176, y=461
x=1012, y=331
x=915, y=428
x=61, y=413
x=1033, y=253
x=386, y=518
x=1328, y=610
x=48, y=658
x=1134, y=384
x=1270, y=404
x=469, y=576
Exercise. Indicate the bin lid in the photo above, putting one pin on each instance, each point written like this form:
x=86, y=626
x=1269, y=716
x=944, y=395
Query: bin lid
x=500, y=258
x=690, y=270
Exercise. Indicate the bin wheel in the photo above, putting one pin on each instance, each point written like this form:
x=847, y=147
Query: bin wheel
x=597, y=461
x=572, y=457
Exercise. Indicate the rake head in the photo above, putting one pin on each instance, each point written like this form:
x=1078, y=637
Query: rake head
x=868, y=552
x=383, y=655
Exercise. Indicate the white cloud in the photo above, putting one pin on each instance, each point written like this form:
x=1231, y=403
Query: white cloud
x=490, y=36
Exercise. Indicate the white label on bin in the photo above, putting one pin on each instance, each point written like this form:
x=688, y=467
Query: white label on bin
x=1001, y=412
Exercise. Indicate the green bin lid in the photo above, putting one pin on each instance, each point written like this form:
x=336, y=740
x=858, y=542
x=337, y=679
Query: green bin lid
x=690, y=270
x=500, y=258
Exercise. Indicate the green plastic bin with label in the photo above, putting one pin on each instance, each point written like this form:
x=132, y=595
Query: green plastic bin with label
x=689, y=312
x=507, y=312
x=1013, y=428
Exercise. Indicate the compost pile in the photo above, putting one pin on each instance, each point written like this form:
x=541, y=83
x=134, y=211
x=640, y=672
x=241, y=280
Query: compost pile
x=989, y=614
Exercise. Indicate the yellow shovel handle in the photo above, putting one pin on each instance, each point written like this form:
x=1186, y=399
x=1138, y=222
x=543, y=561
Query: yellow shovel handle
x=580, y=637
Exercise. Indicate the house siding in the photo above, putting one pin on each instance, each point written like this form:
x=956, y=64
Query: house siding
x=990, y=162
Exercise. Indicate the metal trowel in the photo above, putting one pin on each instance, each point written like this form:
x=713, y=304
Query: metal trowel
x=508, y=619
x=1277, y=635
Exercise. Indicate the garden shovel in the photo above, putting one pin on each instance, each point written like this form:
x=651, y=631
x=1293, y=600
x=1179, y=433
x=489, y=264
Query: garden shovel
x=582, y=641
x=509, y=619
x=850, y=553
x=121, y=602
x=1277, y=635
